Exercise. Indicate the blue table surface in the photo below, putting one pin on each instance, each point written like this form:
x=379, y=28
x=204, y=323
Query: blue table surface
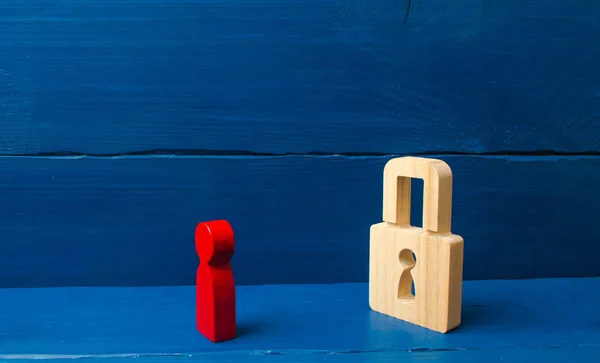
x=553, y=320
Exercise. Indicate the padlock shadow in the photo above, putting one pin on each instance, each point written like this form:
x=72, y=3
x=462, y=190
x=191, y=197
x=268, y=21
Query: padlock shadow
x=497, y=317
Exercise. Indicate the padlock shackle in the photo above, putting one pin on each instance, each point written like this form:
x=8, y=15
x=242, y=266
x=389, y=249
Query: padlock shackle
x=437, y=192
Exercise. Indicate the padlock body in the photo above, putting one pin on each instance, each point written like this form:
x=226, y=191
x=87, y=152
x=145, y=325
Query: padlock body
x=437, y=275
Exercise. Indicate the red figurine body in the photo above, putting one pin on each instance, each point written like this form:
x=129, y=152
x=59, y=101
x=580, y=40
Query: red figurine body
x=215, y=287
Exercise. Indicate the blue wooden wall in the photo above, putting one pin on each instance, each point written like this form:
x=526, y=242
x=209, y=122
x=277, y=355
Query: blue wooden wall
x=123, y=123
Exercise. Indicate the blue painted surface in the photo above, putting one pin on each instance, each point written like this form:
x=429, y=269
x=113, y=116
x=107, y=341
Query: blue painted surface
x=545, y=354
x=315, y=77
x=113, y=76
x=290, y=77
x=288, y=323
x=130, y=220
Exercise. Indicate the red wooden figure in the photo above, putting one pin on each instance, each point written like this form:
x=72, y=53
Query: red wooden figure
x=215, y=287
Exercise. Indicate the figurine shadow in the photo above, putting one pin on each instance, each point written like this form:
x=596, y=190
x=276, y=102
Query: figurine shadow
x=243, y=329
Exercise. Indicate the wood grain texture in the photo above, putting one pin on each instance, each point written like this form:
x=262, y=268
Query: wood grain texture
x=510, y=319
x=334, y=76
x=398, y=175
x=429, y=257
x=131, y=220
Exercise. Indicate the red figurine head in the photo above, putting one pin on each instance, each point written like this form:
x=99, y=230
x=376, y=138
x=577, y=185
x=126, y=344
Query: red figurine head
x=214, y=242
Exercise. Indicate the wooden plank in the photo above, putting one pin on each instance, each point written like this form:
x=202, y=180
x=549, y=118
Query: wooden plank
x=300, y=323
x=545, y=354
x=333, y=76
x=131, y=220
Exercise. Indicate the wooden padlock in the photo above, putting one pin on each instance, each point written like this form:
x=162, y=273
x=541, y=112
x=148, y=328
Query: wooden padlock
x=431, y=257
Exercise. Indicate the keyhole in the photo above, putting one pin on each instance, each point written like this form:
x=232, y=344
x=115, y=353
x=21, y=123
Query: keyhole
x=406, y=285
